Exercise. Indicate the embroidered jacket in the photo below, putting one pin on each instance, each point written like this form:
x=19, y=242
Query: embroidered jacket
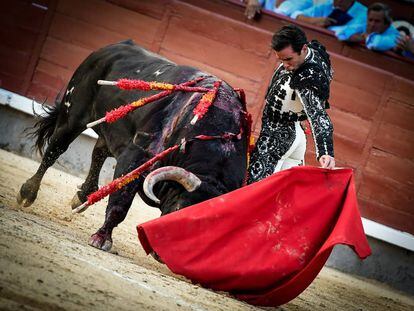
x=303, y=94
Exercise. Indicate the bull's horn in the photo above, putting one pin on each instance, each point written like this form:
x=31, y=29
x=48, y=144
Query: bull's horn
x=187, y=179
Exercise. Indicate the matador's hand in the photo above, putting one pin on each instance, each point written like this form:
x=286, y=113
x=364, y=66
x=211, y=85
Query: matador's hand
x=327, y=161
x=252, y=8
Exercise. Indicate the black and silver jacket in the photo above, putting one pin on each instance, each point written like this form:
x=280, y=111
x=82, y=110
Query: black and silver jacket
x=303, y=94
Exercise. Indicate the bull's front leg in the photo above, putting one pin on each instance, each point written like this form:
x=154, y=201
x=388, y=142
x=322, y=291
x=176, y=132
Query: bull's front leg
x=121, y=200
x=99, y=154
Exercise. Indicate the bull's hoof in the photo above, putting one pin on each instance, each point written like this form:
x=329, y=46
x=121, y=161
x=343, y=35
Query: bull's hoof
x=76, y=201
x=101, y=241
x=25, y=200
x=28, y=192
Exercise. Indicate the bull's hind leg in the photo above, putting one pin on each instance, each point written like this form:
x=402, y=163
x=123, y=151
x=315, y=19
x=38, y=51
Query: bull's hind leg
x=99, y=155
x=60, y=140
x=121, y=200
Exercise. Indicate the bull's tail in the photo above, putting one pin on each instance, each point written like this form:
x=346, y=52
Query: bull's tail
x=43, y=129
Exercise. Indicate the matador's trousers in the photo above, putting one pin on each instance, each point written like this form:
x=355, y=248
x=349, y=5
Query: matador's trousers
x=280, y=146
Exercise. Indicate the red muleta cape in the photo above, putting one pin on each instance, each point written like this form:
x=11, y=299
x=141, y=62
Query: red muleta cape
x=266, y=242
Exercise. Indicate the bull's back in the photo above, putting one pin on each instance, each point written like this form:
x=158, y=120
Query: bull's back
x=128, y=60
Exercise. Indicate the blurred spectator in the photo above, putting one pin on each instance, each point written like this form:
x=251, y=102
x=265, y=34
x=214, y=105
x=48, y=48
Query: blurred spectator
x=406, y=46
x=336, y=15
x=405, y=43
x=284, y=7
x=406, y=27
x=377, y=32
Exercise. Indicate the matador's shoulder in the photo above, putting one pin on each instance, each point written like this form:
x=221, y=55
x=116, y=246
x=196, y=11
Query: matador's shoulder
x=315, y=74
x=311, y=76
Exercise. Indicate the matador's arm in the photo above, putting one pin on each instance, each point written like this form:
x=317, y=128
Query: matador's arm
x=321, y=125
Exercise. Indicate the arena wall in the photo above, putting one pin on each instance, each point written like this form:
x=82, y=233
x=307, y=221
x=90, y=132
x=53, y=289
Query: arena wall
x=372, y=99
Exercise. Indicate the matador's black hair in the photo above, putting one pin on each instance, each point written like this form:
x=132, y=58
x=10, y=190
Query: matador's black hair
x=289, y=35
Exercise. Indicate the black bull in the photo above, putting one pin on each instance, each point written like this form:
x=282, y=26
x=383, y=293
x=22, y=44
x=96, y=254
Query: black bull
x=219, y=164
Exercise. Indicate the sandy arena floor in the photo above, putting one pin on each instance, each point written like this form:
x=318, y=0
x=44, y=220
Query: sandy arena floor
x=46, y=264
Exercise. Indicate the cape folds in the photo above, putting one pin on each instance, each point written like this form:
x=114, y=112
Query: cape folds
x=266, y=242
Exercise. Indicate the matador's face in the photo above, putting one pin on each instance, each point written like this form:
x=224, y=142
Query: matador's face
x=291, y=60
